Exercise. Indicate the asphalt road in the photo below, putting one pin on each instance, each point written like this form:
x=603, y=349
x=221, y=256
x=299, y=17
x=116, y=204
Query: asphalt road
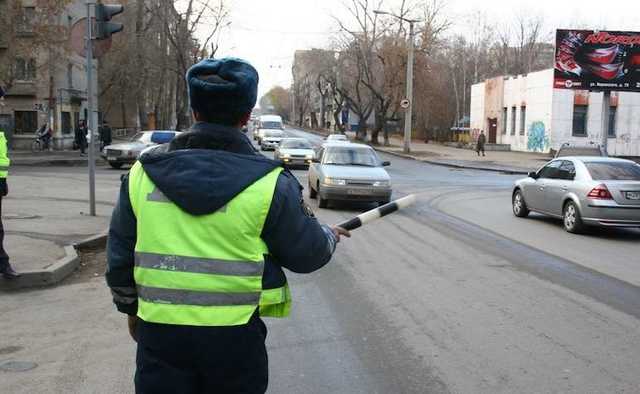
x=450, y=295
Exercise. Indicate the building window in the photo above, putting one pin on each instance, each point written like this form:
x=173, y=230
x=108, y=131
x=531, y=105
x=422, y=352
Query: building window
x=25, y=69
x=27, y=20
x=513, y=121
x=612, y=121
x=504, y=120
x=580, y=120
x=70, y=76
x=523, y=119
x=66, y=123
x=25, y=122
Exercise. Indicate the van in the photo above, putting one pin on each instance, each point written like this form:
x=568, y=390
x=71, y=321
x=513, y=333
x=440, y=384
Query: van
x=265, y=123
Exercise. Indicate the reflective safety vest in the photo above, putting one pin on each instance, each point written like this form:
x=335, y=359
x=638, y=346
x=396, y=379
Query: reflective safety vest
x=203, y=270
x=4, y=159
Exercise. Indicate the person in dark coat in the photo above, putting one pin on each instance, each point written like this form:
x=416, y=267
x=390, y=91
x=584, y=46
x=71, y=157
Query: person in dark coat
x=81, y=137
x=202, y=171
x=482, y=139
x=105, y=134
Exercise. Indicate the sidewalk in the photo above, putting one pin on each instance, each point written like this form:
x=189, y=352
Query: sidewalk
x=434, y=153
x=53, y=158
x=45, y=214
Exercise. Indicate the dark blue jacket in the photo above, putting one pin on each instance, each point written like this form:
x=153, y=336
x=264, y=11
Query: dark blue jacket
x=200, y=171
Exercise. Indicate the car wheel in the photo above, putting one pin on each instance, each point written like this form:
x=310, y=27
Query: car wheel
x=571, y=218
x=115, y=165
x=519, y=206
x=312, y=193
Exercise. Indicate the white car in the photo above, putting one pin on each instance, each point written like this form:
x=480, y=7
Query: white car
x=271, y=139
x=294, y=152
x=118, y=155
x=337, y=138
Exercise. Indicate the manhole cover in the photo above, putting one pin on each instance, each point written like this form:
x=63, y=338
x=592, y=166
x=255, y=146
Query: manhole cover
x=10, y=349
x=18, y=216
x=17, y=366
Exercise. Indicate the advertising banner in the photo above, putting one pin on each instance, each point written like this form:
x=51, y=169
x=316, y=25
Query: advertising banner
x=597, y=60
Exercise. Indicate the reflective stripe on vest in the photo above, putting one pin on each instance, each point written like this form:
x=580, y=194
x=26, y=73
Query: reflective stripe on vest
x=202, y=270
x=4, y=159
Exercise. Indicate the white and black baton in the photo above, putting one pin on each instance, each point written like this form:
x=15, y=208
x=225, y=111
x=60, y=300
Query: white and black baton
x=379, y=212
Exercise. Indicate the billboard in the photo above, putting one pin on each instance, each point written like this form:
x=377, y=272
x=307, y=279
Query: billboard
x=597, y=60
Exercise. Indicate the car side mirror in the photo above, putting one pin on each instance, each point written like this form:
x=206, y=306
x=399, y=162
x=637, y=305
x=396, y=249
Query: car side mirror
x=533, y=175
x=315, y=160
x=386, y=163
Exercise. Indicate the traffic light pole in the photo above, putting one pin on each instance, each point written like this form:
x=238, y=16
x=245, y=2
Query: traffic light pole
x=91, y=124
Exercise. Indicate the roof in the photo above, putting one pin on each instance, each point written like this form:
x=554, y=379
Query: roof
x=270, y=118
x=592, y=159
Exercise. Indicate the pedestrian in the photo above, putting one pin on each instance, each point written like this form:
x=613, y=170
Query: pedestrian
x=105, y=135
x=482, y=139
x=5, y=268
x=198, y=241
x=81, y=137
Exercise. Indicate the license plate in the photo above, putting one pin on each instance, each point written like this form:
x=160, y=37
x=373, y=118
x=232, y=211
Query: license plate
x=633, y=195
x=111, y=158
x=356, y=192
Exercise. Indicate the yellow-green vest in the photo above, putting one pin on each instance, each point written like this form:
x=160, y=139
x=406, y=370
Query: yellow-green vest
x=4, y=158
x=203, y=270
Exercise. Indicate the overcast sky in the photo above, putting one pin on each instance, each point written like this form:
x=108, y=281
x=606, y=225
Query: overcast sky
x=267, y=32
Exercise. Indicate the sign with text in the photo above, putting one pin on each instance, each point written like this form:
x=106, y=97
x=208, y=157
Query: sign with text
x=597, y=60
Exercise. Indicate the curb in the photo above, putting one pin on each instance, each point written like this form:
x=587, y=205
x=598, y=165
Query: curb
x=60, y=162
x=57, y=271
x=453, y=165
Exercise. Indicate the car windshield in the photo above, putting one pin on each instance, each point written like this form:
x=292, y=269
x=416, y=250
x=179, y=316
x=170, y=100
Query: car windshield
x=613, y=171
x=295, y=144
x=351, y=156
x=273, y=134
x=271, y=125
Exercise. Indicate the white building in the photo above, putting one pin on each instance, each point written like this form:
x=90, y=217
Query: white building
x=528, y=114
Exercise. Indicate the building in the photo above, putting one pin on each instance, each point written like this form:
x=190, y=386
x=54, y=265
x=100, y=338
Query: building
x=528, y=114
x=45, y=81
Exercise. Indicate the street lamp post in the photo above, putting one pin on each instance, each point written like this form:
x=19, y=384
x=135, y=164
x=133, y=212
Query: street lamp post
x=409, y=110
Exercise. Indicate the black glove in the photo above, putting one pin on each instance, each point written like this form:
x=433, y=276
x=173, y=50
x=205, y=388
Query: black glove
x=4, y=188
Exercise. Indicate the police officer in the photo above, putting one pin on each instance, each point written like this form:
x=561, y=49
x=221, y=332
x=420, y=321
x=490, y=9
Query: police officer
x=5, y=268
x=198, y=241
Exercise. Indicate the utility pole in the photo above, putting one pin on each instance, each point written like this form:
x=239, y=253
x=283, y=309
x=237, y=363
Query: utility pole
x=409, y=110
x=409, y=115
x=606, y=113
x=91, y=124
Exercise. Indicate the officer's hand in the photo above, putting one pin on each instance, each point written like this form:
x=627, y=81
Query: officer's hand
x=338, y=231
x=132, y=321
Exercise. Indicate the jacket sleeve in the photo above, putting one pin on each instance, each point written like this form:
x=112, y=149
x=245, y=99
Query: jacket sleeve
x=121, y=253
x=295, y=238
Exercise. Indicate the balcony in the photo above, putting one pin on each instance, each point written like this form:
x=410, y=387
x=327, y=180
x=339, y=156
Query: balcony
x=23, y=88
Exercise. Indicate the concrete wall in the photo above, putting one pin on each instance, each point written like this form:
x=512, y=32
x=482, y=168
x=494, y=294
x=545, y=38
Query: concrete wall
x=477, y=121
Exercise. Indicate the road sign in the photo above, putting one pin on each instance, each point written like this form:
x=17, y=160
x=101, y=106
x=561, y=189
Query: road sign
x=597, y=60
x=79, y=44
x=404, y=104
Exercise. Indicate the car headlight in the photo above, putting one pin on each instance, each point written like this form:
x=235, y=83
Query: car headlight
x=336, y=182
x=286, y=155
x=309, y=157
x=381, y=183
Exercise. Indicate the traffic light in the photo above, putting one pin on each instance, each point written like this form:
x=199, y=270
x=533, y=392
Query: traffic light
x=104, y=13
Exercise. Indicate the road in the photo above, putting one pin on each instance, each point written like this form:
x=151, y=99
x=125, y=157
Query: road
x=452, y=295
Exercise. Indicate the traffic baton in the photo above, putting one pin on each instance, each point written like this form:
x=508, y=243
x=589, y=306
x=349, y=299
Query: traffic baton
x=379, y=212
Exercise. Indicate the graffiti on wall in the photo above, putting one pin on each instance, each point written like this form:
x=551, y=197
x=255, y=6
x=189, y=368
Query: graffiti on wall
x=538, y=139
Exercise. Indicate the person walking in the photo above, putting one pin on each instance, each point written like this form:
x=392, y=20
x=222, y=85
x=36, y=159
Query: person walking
x=105, y=135
x=81, y=137
x=198, y=241
x=5, y=268
x=482, y=139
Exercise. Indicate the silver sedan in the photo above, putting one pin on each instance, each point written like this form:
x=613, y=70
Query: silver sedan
x=348, y=172
x=582, y=191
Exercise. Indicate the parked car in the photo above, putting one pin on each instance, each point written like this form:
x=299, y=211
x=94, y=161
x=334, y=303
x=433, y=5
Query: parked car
x=582, y=191
x=568, y=149
x=118, y=155
x=266, y=123
x=270, y=139
x=349, y=172
x=294, y=152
